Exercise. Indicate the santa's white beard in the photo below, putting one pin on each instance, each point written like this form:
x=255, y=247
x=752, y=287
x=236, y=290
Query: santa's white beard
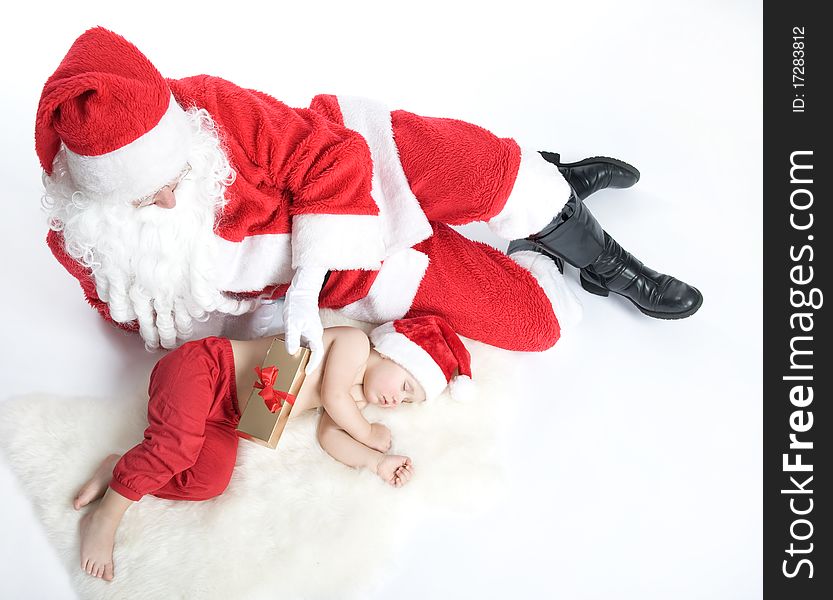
x=152, y=264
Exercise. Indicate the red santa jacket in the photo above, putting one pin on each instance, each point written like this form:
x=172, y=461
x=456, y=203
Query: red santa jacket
x=317, y=186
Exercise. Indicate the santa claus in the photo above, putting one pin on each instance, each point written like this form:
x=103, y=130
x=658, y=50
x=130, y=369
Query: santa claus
x=173, y=201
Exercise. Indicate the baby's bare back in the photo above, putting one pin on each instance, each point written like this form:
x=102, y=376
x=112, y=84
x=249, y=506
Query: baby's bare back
x=249, y=354
x=310, y=395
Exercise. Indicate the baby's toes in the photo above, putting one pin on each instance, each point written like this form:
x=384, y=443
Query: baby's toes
x=80, y=498
x=108, y=572
x=85, y=495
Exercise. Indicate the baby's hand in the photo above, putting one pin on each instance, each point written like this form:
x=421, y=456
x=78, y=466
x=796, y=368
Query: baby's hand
x=379, y=438
x=396, y=470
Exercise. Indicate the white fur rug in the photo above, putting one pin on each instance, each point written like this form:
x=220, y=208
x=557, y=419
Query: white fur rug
x=293, y=523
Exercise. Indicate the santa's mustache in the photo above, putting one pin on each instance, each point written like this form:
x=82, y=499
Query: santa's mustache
x=152, y=264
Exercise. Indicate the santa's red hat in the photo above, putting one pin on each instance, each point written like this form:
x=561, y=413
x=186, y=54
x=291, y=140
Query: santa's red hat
x=125, y=135
x=430, y=350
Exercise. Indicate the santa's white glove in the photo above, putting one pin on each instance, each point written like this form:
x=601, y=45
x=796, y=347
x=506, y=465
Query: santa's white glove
x=300, y=314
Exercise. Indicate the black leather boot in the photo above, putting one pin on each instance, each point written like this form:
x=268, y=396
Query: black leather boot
x=576, y=237
x=590, y=175
x=655, y=294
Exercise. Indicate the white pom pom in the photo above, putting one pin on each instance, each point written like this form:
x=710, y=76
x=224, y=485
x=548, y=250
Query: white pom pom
x=462, y=389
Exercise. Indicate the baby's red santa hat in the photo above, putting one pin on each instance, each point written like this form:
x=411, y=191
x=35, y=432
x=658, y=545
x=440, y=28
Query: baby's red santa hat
x=431, y=351
x=125, y=135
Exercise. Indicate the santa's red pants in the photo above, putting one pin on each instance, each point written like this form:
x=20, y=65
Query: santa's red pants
x=461, y=173
x=482, y=293
x=190, y=444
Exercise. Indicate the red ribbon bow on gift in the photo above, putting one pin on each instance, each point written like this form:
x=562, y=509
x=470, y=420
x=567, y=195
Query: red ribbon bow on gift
x=273, y=398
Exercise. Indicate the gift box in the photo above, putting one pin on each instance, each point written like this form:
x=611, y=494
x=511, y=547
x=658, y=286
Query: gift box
x=271, y=400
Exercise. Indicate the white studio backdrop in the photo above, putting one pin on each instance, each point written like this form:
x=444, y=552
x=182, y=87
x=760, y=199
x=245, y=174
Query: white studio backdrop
x=636, y=464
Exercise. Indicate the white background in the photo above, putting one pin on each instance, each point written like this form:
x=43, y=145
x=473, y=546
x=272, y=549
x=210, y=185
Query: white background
x=636, y=464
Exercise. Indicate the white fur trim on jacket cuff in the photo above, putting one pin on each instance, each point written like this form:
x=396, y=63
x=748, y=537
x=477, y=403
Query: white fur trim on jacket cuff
x=140, y=167
x=411, y=357
x=539, y=193
x=394, y=289
x=338, y=242
x=254, y=263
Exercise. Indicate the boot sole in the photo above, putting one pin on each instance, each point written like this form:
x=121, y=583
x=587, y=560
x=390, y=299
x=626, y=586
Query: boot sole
x=592, y=159
x=600, y=291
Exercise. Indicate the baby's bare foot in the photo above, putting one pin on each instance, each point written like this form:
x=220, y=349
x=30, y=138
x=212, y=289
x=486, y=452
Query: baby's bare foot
x=98, y=534
x=394, y=469
x=97, y=484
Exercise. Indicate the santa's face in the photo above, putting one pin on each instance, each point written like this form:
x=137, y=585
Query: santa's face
x=153, y=259
x=165, y=197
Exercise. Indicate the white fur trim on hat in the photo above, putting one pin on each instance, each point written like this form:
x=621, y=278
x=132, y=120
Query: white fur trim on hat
x=539, y=193
x=462, y=388
x=140, y=167
x=410, y=356
x=338, y=242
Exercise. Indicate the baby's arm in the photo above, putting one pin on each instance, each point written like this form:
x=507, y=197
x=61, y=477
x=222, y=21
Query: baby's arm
x=342, y=447
x=394, y=469
x=347, y=354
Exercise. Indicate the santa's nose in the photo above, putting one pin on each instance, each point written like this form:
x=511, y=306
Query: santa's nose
x=165, y=198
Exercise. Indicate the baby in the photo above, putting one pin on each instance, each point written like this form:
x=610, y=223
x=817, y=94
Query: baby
x=198, y=392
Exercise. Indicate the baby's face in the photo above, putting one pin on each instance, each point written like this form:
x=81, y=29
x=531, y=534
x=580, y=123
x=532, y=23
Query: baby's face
x=388, y=385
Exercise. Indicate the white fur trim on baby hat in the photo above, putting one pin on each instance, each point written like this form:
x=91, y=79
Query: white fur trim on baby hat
x=462, y=388
x=410, y=356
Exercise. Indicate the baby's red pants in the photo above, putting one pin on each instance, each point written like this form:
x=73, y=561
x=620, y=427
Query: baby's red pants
x=190, y=444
